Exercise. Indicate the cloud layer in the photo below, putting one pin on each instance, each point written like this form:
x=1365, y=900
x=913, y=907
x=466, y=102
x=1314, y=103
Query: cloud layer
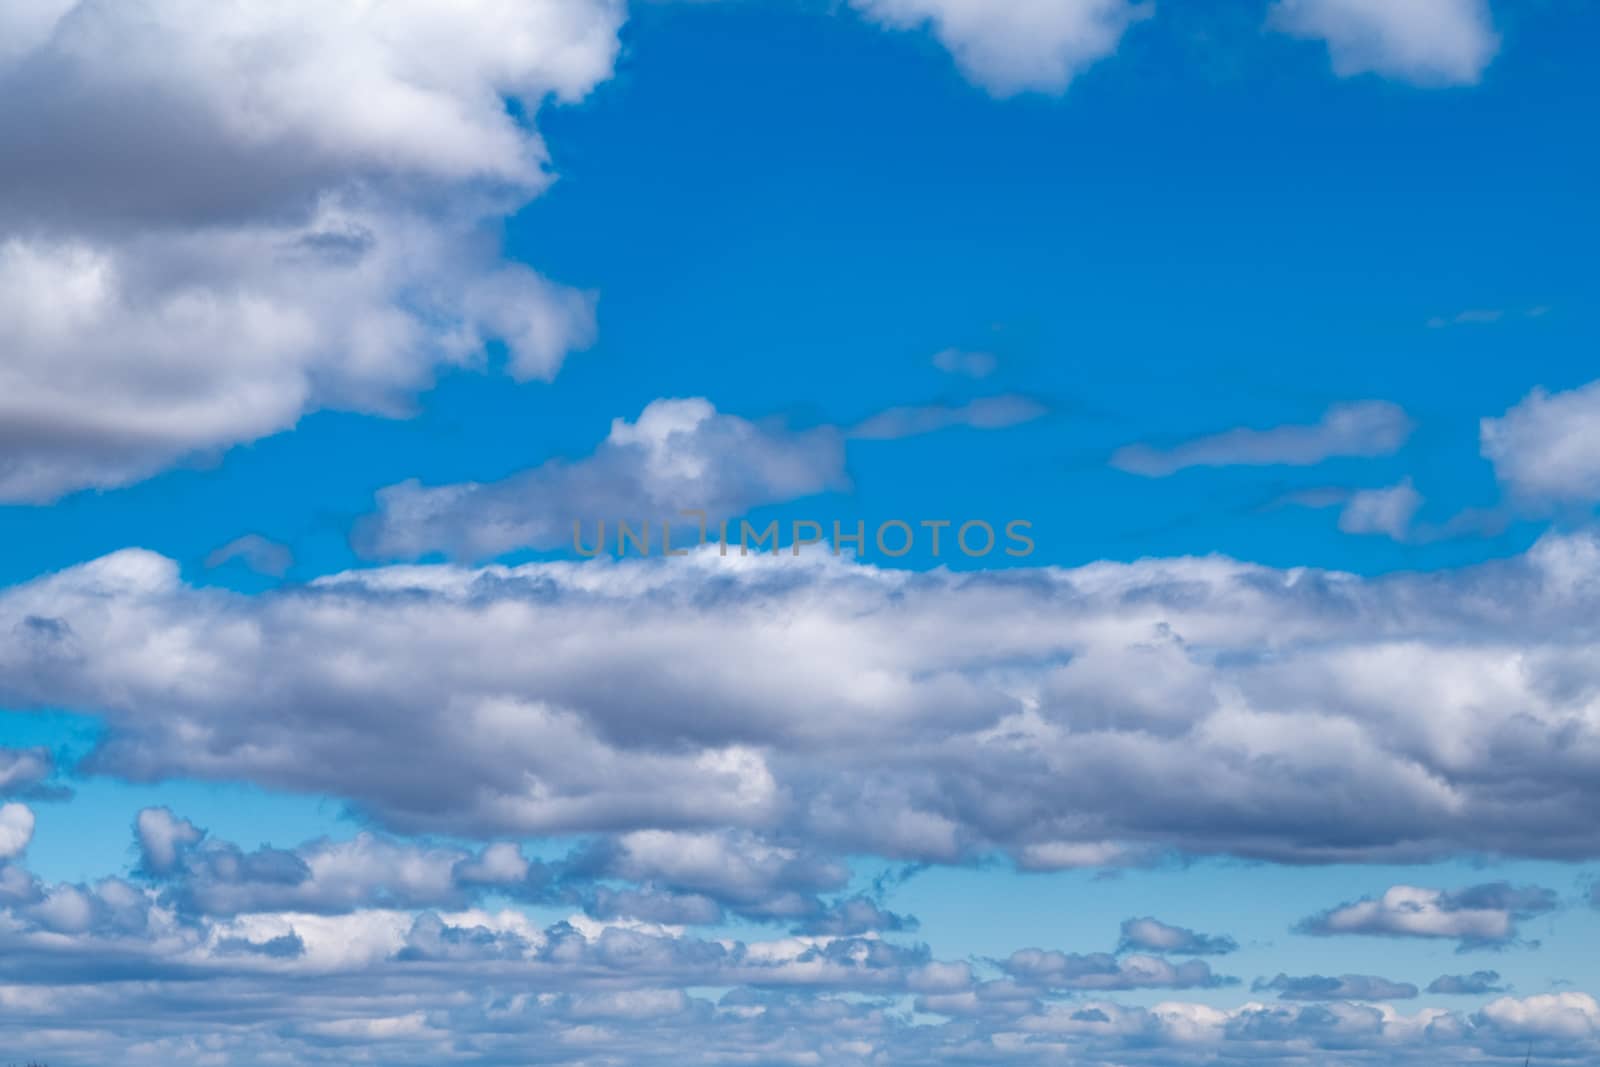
x=379, y=950
x=1122, y=709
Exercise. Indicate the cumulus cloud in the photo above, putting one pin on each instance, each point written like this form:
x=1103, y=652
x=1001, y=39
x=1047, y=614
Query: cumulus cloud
x=673, y=475
x=195, y=252
x=1153, y=935
x=1344, y=987
x=1559, y=1016
x=16, y=829
x=1014, y=46
x=825, y=705
x=1426, y=42
x=753, y=876
x=1477, y=983
x=200, y=875
x=1546, y=449
x=677, y=455
x=162, y=837
x=1366, y=429
x=855, y=916
x=1479, y=915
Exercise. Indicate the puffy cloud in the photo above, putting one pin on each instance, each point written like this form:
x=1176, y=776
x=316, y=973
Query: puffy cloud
x=1560, y=1016
x=678, y=455
x=1153, y=935
x=855, y=916
x=162, y=837
x=1014, y=46
x=1479, y=915
x=826, y=706
x=472, y=986
x=16, y=829
x=673, y=475
x=1427, y=42
x=1365, y=429
x=1345, y=987
x=753, y=876
x=1546, y=449
x=200, y=875
x=218, y=217
x=1475, y=984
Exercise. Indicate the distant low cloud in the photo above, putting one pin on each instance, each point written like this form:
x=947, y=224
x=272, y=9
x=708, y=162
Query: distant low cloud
x=256, y=552
x=1482, y=915
x=1103, y=971
x=1477, y=983
x=1432, y=43
x=1366, y=429
x=1344, y=987
x=1153, y=935
x=1014, y=46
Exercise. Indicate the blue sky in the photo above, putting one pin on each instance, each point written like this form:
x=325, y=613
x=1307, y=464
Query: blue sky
x=1269, y=319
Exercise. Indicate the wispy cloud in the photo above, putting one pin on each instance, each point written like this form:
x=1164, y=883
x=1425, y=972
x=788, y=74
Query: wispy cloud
x=984, y=413
x=1366, y=429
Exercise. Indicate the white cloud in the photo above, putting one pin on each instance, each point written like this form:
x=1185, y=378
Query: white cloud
x=679, y=454
x=829, y=705
x=16, y=829
x=1427, y=42
x=1153, y=935
x=1548, y=1015
x=1485, y=914
x=1546, y=449
x=1381, y=511
x=162, y=836
x=217, y=217
x=1365, y=429
x=1014, y=46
